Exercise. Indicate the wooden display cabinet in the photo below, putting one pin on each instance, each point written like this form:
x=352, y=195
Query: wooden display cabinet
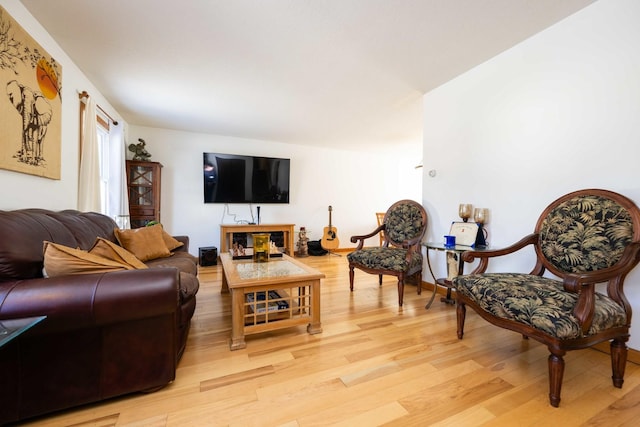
x=143, y=184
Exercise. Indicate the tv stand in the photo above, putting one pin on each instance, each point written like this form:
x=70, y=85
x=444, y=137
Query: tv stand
x=227, y=231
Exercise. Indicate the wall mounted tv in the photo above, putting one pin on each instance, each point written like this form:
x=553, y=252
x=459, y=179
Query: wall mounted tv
x=230, y=178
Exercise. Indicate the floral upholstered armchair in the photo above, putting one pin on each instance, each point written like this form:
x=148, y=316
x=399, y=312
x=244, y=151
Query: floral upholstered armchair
x=400, y=255
x=583, y=238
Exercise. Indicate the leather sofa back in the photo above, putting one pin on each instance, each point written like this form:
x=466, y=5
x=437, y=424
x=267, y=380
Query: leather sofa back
x=23, y=232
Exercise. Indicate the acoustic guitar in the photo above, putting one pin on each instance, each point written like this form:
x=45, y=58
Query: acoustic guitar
x=330, y=236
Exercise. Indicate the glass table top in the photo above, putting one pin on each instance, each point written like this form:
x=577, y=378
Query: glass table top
x=11, y=328
x=262, y=270
x=457, y=248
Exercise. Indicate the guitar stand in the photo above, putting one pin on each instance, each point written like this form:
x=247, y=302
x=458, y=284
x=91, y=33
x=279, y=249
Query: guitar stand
x=333, y=253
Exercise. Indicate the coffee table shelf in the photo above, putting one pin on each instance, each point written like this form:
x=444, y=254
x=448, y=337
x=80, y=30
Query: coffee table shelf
x=281, y=306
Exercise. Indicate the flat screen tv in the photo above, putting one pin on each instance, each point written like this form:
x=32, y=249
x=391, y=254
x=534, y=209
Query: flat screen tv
x=231, y=178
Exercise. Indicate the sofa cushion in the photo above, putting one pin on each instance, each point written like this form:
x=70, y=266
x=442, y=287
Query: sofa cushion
x=387, y=258
x=183, y=261
x=110, y=250
x=539, y=302
x=145, y=243
x=60, y=260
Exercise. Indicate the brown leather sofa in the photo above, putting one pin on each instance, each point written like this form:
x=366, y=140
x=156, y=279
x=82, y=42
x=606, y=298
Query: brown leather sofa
x=105, y=334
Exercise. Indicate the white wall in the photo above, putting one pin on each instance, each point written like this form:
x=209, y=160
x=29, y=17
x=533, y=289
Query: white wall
x=556, y=113
x=355, y=184
x=18, y=190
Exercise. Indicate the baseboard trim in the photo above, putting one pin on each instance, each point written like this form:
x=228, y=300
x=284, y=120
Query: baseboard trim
x=344, y=250
x=440, y=290
x=633, y=355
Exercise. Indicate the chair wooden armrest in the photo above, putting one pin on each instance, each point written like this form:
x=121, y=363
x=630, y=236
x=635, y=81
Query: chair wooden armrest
x=583, y=284
x=484, y=255
x=411, y=250
x=360, y=239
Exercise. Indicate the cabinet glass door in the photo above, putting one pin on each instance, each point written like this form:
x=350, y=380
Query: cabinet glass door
x=141, y=187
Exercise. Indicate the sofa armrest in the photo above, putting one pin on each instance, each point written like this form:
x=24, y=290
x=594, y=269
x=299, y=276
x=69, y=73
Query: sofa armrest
x=185, y=246
x=87, y=300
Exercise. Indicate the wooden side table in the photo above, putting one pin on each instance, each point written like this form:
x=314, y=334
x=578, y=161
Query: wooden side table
x=455, y=268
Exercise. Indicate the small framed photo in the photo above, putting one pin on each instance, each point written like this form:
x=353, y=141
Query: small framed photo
x=465, y=232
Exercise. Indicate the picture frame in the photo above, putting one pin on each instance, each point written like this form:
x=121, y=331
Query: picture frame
x=465, y=233
x=31, y=110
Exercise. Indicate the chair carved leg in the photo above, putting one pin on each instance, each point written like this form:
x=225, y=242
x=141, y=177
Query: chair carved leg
x=351, y=278
x=400, y=291
x=556, y=372
x=418, y=276
x=380, y=279
x=618, y=362
x=461, y=313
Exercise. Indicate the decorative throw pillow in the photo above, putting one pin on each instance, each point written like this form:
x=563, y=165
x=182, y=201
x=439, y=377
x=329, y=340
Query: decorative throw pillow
x=145, y=243
x=169, y=240
x=60, y=260
x=107, y=249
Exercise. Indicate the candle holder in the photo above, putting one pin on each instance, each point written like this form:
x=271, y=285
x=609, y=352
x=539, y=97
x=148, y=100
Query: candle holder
x=261, y=247
x=481, y=216
x=464, y=210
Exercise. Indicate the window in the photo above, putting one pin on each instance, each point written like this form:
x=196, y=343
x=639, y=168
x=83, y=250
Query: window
x=102, y=168
x=105, y=162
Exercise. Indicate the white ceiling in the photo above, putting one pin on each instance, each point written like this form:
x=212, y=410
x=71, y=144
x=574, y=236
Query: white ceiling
x=337, y=73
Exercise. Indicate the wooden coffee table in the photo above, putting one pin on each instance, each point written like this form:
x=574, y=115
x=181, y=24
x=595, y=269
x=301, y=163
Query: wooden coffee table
x=270, y=295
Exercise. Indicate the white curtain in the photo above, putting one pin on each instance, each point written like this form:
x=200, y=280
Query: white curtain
x=89, y=199
x=118, y=197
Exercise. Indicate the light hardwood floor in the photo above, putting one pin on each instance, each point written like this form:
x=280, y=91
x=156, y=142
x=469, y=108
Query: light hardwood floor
x=373, y=364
